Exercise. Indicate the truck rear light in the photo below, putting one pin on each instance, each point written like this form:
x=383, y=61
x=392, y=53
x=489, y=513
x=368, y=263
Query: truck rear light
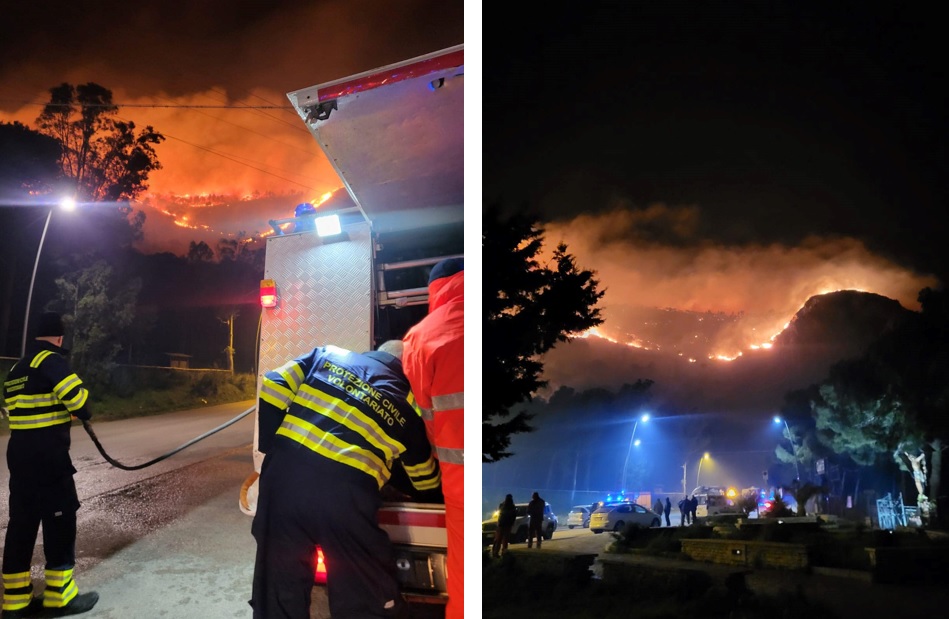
x=319, y=577
x=268, y=293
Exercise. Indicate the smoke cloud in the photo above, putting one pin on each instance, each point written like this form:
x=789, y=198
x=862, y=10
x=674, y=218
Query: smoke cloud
x=652, y=257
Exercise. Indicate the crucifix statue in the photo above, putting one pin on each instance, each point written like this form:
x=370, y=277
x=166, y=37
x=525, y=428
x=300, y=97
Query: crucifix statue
x=919, y=471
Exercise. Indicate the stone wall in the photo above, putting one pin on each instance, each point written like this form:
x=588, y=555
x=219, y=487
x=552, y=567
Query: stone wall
x=746, y=553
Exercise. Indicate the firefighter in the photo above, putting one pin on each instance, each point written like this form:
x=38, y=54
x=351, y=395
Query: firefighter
x=434, y=363
x=331, y=423
x=42, y=394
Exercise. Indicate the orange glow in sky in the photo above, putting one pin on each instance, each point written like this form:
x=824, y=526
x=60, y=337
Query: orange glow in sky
x=762, y=286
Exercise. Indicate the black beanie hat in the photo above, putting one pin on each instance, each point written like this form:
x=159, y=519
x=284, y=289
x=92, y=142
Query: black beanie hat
x=50, y=325
x=446, y=268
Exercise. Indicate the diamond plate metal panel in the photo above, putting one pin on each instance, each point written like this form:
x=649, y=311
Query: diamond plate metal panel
x=324, y=296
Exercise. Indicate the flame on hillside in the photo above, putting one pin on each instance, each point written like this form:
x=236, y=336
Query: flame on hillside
x=721, y=302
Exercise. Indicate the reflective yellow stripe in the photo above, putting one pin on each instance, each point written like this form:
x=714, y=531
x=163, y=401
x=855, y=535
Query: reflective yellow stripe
x=275, y=394
x=58, y=578
x=15, y=581
x=31, y=422
x=40, y=356
x=60, y=588
x=414, y=404
x=36, y=400
x=66, y=385
x=292, y=373
x=427, y=484
x=424, y=476
x=58, y=599
x=77, y=402
x=351, y=417
x=421, y=470
x=16, y=601
x=333, y=448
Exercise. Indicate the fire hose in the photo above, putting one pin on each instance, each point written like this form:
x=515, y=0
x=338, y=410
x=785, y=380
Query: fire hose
x=125, y=467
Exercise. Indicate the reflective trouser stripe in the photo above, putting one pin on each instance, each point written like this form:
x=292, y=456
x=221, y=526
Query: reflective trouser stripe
x=17, y=591
x=60, y=588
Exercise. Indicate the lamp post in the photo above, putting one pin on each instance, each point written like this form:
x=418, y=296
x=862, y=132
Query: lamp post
x=632, y=436
x=68, y=204
x=778, y=419
x=699, y=471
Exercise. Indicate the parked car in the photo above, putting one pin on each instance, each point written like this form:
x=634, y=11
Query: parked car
x=615, y=516
x=519, y=530
x=579, y=516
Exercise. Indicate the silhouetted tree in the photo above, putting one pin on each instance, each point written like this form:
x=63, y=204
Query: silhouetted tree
x=104, y=156
x=199, y=252
x=29, y=172
x=895, y=399
x=529, y=308
x=29, y=163
x=98, y=309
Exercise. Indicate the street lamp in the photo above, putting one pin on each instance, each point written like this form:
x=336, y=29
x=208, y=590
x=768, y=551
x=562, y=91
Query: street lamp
x=632, y=442
x=67, y=204
x=778, y=419
x=699, y=471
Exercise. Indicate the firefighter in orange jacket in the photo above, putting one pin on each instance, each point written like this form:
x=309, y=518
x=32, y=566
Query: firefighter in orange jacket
x=434, y=364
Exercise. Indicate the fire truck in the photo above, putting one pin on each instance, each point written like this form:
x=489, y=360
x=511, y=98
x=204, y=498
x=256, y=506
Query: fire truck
x=352, y=271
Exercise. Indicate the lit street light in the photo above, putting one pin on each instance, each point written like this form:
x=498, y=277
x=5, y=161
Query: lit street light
x=632, y=442
x=778, y=419
x=67, y=204
x=699, y=471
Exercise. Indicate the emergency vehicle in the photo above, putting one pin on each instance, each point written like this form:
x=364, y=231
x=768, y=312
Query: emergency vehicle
x=352, y=271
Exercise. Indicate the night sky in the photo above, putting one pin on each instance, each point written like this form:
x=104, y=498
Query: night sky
x=773, y=120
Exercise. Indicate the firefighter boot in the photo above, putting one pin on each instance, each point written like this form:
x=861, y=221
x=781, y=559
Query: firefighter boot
x=18, y=599
x=82, y=603
x=30, y=610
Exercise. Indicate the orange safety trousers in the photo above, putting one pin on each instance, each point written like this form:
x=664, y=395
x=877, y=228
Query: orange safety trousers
x=448, y=439
x=434, y=364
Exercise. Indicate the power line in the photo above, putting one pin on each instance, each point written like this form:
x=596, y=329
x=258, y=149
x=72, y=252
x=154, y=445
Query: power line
x=213, y=152
x=296, y=127
x=155, y=105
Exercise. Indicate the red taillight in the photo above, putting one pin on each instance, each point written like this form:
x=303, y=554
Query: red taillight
x=320, y=576
x=268, y=293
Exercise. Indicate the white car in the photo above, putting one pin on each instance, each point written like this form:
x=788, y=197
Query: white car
x=519, y=529
x=615, y=516
x=579, y=516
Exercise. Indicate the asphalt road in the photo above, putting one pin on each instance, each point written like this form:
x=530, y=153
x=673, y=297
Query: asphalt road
x=168, y=540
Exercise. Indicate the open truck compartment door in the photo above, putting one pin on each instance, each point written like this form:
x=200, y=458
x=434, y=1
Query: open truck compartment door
x=395, y=136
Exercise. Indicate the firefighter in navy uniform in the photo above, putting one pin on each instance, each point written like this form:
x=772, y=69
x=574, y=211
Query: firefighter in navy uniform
x=42, y=394
x=331, y=424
